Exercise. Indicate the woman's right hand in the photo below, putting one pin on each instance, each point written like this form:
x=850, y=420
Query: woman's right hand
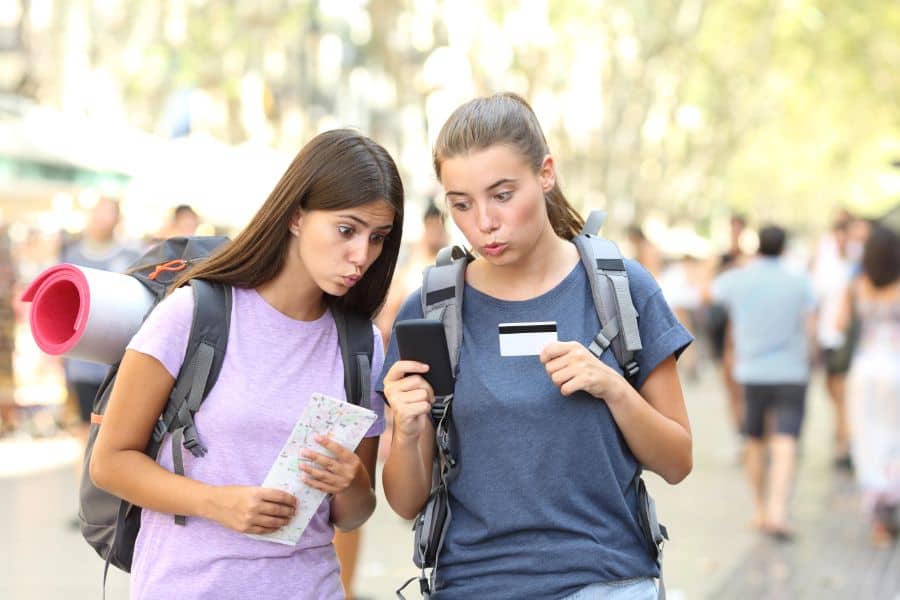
x=248, y=509
x=410, y=397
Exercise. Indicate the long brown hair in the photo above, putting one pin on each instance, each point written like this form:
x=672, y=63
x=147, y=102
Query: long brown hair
x=336, y=169
x=505, y=119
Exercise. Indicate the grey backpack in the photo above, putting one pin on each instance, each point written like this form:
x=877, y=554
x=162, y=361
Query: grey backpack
x=108, y=523
x=442, y=293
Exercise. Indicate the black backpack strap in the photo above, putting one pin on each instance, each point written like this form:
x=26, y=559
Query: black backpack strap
x=655, y=533
x=442, y=299
x=442, y=296
x=612, y=296
x=357, y=342
x=203, y=360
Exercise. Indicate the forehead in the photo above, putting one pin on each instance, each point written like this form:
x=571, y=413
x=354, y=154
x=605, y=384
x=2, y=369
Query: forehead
x=376, y=213
x=481, y=168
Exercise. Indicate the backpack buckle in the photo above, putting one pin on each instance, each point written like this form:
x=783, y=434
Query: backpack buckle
x=192, y=442
x=632, y=369
x=443, y=444
x=159, y=430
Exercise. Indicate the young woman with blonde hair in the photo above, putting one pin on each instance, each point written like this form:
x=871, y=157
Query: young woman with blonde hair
x=547, y=448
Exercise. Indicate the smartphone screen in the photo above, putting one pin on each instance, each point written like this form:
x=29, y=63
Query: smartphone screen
x=423, y=340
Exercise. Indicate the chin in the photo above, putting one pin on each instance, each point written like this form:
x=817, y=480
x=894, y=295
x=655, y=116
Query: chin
x=507, y=258
x=336, y=290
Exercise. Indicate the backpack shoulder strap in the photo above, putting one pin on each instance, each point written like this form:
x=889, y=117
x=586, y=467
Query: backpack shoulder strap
x=203, y=358
x=605, y=267
x=442, y=295
x=356, y=341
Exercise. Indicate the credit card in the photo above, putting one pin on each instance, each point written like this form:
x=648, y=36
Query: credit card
x=525, y=339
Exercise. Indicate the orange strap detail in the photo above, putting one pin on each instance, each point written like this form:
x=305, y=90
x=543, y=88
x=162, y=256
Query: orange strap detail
x=172, y=265
x=96, y=419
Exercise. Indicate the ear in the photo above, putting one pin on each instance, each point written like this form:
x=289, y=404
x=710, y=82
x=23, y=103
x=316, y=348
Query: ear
x=296, y=220
x=547, y=173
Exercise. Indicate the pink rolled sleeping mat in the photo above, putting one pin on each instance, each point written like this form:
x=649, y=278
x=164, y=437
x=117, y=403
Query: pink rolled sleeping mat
x=86, y=313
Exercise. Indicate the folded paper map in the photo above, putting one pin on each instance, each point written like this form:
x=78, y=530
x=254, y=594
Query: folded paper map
x=343, y=422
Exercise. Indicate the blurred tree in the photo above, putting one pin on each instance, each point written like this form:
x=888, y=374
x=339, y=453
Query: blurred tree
x=688, y=108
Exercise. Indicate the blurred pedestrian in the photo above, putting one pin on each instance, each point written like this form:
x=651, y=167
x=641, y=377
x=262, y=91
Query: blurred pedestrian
x=644, y=251
x=549, y=447
x=183, y=222
x=874, y=383
x=98, y=247
x=409, y=274
x=770, y=308
x=832, y=275
x=719, y=325
x=681, y=282
x=326, y=238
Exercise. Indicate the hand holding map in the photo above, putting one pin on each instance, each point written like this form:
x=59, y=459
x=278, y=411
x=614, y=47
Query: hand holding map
x=344, y=423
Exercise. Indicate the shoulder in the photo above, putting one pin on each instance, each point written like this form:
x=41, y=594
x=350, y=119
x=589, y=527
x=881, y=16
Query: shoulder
x=412, y=306
x=641, y=282
x=174, y=313
x=179, y=300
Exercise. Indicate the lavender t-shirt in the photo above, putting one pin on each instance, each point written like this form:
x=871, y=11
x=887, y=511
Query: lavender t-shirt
x=272, y=365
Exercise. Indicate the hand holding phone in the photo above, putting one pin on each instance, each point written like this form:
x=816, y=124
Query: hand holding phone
x=423, y=340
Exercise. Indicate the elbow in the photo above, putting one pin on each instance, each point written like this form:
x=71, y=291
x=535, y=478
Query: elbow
x=678, y=472
x=358, y=519
x=404, y=510
x=99, y=470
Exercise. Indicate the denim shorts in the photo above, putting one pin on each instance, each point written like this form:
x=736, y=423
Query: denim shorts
x=643, y=588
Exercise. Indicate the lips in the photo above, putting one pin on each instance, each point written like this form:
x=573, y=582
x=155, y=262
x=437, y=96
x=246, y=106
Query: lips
x=350, y=280
x=494, y=249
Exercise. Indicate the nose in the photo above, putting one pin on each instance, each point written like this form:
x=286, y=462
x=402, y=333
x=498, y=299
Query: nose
x=486, y=221
x=359, y=252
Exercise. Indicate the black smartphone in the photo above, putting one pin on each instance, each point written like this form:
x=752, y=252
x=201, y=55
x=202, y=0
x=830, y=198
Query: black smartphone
x=423, y=340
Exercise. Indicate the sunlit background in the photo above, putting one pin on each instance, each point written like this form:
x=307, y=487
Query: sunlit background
x=669, y=114
x=673, y=110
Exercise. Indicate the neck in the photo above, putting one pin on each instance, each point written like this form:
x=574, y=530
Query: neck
x=294, y=294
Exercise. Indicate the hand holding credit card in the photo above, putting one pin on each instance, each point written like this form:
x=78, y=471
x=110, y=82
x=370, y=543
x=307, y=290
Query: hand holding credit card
x=526, y=339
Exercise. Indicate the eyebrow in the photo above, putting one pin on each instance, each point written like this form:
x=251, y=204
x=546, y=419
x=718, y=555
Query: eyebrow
x=364, y=224
x=496, y=184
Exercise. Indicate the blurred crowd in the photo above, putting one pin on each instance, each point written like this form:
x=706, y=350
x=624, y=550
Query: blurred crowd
x=774, y=308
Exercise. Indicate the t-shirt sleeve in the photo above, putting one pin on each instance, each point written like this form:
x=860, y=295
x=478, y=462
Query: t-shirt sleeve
x=411, y=309
x=164, y=335
x=661, y=333
x=376, y=401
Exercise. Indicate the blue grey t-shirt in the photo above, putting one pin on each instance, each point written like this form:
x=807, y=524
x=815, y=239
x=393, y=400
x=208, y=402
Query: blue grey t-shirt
x=543, y=500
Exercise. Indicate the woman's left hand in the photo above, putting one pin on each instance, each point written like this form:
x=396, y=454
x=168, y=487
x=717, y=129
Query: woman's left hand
x=573, y=367
x=331, y=475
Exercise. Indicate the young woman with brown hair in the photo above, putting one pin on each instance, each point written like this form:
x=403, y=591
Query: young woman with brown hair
x=327, y=236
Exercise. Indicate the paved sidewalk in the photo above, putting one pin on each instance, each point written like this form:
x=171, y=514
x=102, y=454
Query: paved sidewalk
x=713, y=552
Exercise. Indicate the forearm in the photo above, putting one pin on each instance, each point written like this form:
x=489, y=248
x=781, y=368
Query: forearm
x=659, y=443
x=135, y=477
x=352, y=507
x=407, y=475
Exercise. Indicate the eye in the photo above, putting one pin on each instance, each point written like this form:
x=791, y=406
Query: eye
x=460, y=205
x=345, y=230
x=378, y=238
x=503, y=196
